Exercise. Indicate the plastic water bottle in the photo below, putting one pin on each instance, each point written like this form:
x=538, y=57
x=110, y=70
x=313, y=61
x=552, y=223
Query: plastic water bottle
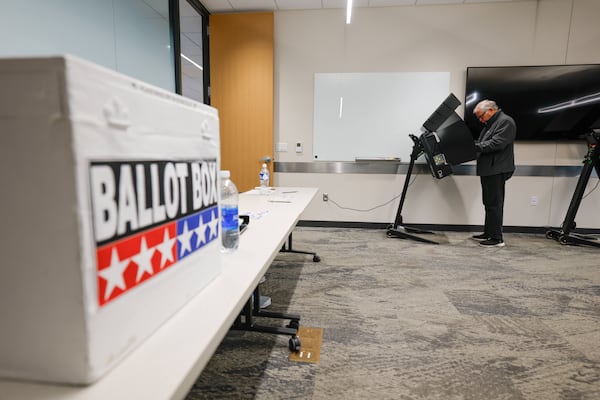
x=230, y=222
x=264, y=179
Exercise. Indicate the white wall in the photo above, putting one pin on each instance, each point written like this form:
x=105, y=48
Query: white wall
x=432, y=38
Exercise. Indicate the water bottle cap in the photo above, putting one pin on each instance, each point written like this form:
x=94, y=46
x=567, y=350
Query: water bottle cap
x=225, y=174
x=264, y=165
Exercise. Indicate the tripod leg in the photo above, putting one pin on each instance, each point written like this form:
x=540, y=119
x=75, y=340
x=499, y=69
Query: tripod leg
x=590, y=161
x=398, y=230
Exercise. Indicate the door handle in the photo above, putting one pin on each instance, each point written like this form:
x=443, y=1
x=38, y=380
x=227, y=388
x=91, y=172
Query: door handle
x=266, y=159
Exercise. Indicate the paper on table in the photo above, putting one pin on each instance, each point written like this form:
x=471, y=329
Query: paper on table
x=256, y=215
x=285, y=197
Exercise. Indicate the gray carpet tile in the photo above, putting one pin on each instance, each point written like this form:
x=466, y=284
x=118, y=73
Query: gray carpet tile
x=409, y=320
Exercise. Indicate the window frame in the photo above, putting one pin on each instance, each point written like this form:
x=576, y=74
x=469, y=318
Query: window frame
x=176, y=39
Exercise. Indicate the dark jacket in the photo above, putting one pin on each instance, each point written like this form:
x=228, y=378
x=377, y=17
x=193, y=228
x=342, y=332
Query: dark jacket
x=495, y=145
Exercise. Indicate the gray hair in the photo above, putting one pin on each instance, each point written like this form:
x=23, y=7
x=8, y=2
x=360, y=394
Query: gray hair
x=485, y=105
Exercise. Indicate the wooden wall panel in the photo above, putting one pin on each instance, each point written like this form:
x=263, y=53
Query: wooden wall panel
x=241, y=74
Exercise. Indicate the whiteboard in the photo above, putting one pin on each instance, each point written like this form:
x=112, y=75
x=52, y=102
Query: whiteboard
x=370, y=115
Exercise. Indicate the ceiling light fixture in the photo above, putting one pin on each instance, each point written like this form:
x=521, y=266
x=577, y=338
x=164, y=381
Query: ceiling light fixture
x=349, y=12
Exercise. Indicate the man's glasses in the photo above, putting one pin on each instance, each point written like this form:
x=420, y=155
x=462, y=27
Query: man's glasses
x=481, y=116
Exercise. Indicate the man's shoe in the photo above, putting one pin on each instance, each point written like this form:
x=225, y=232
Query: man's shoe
x=482, y=236
x=492, y=243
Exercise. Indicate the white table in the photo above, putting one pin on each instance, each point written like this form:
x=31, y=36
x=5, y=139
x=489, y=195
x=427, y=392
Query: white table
x=166, y=365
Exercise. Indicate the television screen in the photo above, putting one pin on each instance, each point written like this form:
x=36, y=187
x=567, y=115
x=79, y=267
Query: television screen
x=550, y=102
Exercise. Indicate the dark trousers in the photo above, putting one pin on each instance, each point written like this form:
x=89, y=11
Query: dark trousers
x=492, y=189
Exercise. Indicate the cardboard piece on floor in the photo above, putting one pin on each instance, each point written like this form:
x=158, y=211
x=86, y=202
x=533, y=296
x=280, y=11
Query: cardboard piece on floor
x=310, y=345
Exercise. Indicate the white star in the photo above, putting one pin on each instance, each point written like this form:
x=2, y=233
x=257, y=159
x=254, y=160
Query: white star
x=114, y=273
x=166, y=249
x=144, y=259
x=185, y=238
x=213, y=225
x=200, y=232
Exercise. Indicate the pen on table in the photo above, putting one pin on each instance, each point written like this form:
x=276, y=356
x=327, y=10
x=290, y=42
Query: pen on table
x=279, y=201
x=292, y=191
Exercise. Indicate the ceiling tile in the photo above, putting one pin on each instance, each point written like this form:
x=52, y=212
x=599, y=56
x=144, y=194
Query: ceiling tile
x=343, y=3
x=387, y=3
x=224, y=6
x=253, y=5
x=294, y=4
x=425, y=2
x=216, y=6
x=487, y=1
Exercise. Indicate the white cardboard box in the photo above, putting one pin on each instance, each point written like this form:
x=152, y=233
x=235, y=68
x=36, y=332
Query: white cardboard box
x=109, y=214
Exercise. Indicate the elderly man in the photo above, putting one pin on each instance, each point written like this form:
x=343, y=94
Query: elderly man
x=495, y=165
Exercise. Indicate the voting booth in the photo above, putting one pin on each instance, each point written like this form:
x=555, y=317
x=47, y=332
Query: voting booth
x=110, y=214
x=445, y=141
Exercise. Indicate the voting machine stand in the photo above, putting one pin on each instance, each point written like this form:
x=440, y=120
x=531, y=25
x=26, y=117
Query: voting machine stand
x=591, y=161
x=398, y=229
x=445, y=141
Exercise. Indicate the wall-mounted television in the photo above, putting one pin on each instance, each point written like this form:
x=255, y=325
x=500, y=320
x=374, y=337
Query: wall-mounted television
x=548, y=102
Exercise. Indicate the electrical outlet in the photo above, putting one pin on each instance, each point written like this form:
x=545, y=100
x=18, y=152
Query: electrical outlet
x=325, y=197
x=281, y=147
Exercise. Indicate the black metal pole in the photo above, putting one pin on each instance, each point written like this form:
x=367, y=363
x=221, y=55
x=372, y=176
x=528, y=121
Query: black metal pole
x=416, y=152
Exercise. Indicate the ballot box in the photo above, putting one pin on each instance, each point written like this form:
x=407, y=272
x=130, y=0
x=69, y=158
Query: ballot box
x=109, y=211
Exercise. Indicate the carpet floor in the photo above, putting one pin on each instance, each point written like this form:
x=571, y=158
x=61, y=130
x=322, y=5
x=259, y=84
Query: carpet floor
x=409, y=320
